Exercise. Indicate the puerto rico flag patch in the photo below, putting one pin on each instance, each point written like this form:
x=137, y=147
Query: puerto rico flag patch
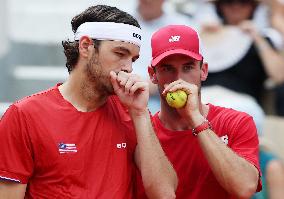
x=67, y=148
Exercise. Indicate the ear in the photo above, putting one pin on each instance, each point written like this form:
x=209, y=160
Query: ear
x=84, y=46
x=204, y=71
x=152, y=75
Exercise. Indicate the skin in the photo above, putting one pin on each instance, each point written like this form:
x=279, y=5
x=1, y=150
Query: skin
x=98, y=74
x=11, y=190
x=236, y=12
x=170, y=73
x=149, y=9
x=275, y=179
x=181, y=72
x=91, y=85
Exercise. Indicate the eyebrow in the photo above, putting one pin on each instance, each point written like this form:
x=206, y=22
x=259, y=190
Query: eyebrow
x=189, y=62
x=166, y=65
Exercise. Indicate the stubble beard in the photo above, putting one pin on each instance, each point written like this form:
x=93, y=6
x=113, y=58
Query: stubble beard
x=97, y=80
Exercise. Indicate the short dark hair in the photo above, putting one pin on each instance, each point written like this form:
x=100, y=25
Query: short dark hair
x=218, y=4
x=98, y=13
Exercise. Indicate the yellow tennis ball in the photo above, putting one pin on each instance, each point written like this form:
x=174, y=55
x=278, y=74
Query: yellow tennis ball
x=176, y=99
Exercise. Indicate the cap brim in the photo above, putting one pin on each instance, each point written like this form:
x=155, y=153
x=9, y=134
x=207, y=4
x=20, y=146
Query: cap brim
x=159, y=58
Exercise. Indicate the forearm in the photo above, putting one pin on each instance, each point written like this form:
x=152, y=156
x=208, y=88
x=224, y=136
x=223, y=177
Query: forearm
x=236, y=175
x=272, y=60
x=158, y=175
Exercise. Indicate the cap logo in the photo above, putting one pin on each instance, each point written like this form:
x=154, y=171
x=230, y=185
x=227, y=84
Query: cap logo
x=174, y=38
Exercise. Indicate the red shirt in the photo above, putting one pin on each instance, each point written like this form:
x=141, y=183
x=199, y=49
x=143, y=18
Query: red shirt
x=196, y=180
x=60, y=152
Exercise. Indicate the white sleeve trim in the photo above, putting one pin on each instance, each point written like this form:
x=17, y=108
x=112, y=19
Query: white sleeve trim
x=11, y=179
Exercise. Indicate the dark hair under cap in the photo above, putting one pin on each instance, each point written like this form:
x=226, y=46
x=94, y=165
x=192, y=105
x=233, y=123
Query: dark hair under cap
x=218, y=4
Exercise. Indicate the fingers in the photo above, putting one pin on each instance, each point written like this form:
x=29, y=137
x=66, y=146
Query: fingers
x=141, y=86
x=180, y=85
x=127, y=82
x=122, y=77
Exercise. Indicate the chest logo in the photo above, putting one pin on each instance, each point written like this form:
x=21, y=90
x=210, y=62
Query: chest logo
x=67, y=148
x=121, y=145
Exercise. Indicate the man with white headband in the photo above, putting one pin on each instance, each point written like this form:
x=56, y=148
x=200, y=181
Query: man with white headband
x=84, y=138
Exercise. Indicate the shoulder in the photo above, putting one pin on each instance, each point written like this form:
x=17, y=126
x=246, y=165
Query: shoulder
x=37, y=99
x=30, y=104
x=233, y=122
x=227, y=113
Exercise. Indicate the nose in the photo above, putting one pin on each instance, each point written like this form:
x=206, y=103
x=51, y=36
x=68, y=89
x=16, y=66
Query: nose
x=127, y=66
x=180, y=75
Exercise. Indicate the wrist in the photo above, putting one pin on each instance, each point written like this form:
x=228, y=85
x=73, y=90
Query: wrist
x=138, y=113
x=197, y=120
x=201, y=127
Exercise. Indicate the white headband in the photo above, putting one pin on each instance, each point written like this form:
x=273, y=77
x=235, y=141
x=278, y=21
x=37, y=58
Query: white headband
x=110, y=31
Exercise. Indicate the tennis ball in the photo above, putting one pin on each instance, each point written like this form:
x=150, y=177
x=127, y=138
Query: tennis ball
x=176, y=99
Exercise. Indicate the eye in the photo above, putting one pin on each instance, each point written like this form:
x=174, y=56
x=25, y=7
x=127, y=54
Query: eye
x=188, y=67
x=166, y=69
x=119, y=54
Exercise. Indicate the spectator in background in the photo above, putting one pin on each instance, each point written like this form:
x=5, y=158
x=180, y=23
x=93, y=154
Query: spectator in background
x=153, y=14
x=243, y=57
x=272, y=173
x=276, y=16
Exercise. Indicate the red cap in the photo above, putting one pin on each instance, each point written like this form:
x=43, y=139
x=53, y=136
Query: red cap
x=175, y=39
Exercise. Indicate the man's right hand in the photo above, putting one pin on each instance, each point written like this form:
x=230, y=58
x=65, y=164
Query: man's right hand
x=191, y=110
x=132, y=91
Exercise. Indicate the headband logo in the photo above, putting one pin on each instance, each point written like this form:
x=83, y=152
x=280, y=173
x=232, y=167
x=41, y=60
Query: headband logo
x=174, y=38
x=137, y=36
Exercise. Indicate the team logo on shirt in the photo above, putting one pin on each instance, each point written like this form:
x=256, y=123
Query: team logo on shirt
x=67, y=148
x=121, y=145
x=225, y=139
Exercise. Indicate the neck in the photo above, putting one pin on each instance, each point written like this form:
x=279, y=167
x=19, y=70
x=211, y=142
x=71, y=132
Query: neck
x=81, y=94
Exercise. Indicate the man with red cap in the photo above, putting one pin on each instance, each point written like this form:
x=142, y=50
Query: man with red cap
x=214, y=150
